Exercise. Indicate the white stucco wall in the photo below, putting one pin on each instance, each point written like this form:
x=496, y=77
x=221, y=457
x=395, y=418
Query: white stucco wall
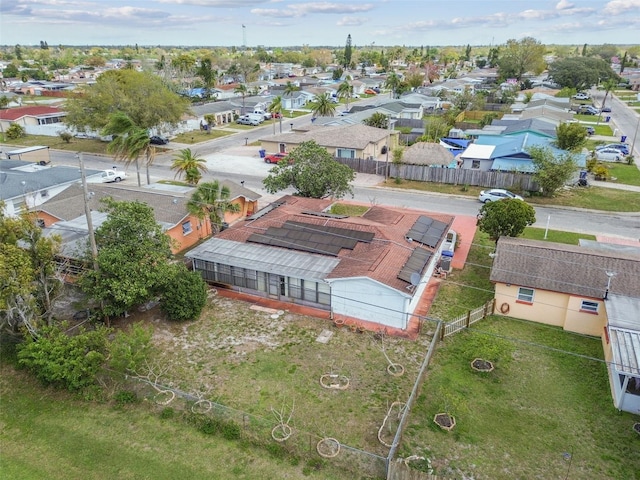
x=369, y=300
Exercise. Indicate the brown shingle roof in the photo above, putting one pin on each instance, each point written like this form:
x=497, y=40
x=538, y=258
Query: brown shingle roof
x=381, y=260
x=564, y=268
x=424, y=153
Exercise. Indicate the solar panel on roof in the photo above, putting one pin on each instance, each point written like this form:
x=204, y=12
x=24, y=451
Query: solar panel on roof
x=265, y=210
x=415, y=264
x=334, y=231
x=427, y=231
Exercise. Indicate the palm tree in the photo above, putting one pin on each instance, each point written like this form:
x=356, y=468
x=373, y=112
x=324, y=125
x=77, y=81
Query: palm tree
x=187, y=163
x=129, y=140
x=242, y=90
x=212, y=200
x=290, y=87
x=393, y=83
x=345, y=90
x=608, y=85
x=276, y=107
x=322, y=106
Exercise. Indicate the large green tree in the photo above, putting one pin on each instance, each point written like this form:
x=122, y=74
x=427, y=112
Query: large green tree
x=212, y=200
x=570, y=136
x=581, y=72
x=312, y=172
x=508, y=217
x=378, y=120
x=133, y=256
x=519, y=57
x=30, y=280
x=143, y=97
x=551, y=172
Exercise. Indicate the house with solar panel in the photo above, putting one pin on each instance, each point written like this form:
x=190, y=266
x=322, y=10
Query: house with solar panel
x=373, y=267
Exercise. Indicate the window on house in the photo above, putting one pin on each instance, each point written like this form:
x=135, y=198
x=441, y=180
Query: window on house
x=475, y=164
x=345, y=153
x=186, y=228
x=587, y=306
x=525, y=295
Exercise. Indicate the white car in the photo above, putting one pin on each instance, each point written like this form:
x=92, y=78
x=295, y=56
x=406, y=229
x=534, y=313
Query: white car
x=497, y=194
x=109, y=176
x=581, y=96
x=609, y=155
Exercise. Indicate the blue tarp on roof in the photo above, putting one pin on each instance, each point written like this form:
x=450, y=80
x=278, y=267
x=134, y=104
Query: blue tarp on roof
x=456, y=142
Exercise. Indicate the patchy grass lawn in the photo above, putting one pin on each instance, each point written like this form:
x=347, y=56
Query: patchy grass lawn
x=623, y=173
x=247, y=360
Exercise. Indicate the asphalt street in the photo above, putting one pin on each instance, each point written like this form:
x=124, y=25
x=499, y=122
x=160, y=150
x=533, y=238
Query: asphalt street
x=239, y=163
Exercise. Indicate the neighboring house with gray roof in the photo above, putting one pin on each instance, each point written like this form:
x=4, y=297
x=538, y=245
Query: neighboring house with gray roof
x=590, y=290
x=27, y=185
x=169, y=206
x=349, y=141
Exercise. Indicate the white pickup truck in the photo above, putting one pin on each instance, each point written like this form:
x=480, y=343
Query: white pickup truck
x=109, y=176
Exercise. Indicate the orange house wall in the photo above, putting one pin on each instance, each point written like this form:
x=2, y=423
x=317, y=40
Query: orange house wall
x=200, y=229
x=552, y=308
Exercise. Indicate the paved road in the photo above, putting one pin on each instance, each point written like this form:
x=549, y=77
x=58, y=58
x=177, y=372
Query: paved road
x=624, y=120
x=244, y=164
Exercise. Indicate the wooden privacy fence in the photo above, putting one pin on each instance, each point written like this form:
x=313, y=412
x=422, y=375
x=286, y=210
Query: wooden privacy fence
x=469, y=318
x=453, y=176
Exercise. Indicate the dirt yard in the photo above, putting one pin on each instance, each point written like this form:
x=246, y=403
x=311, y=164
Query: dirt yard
x=258, y=360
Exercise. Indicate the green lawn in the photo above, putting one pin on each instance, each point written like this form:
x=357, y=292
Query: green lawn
x=623, y=173
x=547, y=402
x=570, y=238
x=51, y=435
x=596, y=198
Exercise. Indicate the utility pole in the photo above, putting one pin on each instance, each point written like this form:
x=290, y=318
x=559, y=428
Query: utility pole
x=87, y=212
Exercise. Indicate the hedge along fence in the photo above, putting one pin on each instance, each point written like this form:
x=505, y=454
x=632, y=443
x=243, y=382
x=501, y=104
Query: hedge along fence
x=452, y=176
x=232, y=424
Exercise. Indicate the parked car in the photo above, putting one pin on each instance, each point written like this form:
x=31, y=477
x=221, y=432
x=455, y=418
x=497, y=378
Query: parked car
x=158, y=140
x=370, y=91
x=609, y=155
x=623, y=147
x=276, y=115
x=497, y=194
x=274, y=158
x=114, y=175
x=590, y=130
x=605, y=109
x=588, y=110
x=246, y=120
x=581, y=96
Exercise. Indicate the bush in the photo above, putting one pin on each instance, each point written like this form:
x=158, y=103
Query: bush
x=124, y=397
x=15, y=131
x=184, y=296
x=66, y=137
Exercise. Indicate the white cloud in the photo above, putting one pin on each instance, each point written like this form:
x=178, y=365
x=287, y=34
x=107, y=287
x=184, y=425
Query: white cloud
x=564, y=5
x=304, y=9
x=351, y=21
x=618, y=7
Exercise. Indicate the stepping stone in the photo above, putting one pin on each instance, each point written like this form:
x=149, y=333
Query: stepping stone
x=325, y=336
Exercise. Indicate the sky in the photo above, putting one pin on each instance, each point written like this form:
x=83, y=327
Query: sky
x=281, y=23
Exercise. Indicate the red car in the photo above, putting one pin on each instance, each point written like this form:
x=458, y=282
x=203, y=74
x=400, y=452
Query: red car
x=274, y=158
x=276, y=115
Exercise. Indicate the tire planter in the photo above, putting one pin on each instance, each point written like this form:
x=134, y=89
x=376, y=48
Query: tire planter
x=444, y=421
x=480, y=365
x=636, y=427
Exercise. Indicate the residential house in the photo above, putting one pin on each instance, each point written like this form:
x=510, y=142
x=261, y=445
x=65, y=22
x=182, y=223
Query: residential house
x=350, y=141
x=35, y=119
x=590, y=289
x=27, y=185
x=225, y=111
x=374, y=267
x=508, y=153
x=169, y=206
x=425, y=153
